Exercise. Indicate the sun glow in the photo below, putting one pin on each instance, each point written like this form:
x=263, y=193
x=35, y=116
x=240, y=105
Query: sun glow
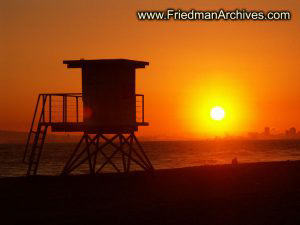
x=217, y=113
x=216, y=109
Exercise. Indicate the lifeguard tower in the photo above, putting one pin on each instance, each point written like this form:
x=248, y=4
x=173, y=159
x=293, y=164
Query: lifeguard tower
x=108, y=112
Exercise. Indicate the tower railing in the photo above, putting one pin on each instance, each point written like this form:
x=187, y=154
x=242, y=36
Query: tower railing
x=140, y=108
x=59, y=108
x=68, y=108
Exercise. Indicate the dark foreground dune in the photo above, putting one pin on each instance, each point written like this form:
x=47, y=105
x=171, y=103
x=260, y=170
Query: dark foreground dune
x=260, y=193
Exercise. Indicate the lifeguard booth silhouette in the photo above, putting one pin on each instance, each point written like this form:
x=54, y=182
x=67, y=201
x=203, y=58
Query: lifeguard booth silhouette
x=108, y=112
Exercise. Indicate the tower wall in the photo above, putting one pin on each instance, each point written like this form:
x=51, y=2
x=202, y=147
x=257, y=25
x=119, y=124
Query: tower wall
x=109, y=95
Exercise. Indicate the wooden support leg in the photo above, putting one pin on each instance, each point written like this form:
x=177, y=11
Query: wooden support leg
x=95, y=151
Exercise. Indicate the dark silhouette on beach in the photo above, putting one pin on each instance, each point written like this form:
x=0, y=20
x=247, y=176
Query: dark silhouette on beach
x=111, y=114
x=234, y=161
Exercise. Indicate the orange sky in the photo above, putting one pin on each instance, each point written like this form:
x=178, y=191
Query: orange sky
x=252, y=68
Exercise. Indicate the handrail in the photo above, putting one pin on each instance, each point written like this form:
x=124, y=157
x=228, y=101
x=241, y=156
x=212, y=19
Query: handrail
x=140, y=106
x=60, y=94
x=71, y=109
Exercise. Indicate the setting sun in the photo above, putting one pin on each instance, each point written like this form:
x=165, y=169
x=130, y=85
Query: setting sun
x=217, y=107
x=217, y=113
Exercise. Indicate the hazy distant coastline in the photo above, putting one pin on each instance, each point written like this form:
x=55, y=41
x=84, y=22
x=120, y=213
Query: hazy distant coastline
x=20, y=137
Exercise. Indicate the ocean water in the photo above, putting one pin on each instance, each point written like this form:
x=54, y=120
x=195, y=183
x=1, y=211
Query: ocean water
x=163, y=154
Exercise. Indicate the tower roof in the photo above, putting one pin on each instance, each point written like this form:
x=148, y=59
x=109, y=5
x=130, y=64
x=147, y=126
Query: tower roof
x=105, y=62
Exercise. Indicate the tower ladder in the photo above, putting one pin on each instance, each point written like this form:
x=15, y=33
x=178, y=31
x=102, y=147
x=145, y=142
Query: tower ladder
x=33, y=149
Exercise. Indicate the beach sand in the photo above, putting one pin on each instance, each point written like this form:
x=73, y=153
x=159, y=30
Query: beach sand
x=254, y=193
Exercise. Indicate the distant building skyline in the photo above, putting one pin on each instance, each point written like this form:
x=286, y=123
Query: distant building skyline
x=270, y=133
